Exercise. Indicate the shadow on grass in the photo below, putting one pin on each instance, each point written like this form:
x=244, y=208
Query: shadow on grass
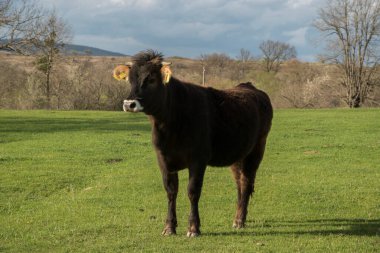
x=323, y=227
x=51, y=125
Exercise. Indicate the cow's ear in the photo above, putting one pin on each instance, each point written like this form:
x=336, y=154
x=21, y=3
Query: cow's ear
x=166, y=72
x=121, y=72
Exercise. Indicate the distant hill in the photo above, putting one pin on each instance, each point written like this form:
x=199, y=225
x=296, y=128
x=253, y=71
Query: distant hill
x=71, y=49
x=83, y=50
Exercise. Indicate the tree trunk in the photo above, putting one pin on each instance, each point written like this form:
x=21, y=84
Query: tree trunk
x=355, y=102
x=48, y=97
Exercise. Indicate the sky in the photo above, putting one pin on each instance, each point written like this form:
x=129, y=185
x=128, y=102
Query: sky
x=189, y=28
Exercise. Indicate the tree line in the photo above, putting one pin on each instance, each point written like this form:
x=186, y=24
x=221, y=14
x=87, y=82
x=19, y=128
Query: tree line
x=350, y=73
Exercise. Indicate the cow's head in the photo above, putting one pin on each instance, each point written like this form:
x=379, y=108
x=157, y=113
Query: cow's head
x=148, y=75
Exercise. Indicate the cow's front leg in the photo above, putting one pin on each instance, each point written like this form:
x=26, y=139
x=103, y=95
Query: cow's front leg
x=196, y=174
x=170, y=181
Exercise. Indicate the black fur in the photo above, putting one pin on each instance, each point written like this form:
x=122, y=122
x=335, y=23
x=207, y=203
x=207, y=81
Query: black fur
x=195, y=126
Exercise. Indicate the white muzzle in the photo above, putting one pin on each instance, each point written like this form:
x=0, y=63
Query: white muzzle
x=132, y=106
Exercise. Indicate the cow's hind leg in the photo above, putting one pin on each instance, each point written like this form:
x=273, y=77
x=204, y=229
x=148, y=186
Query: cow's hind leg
x=246, y=170
x=236, y=171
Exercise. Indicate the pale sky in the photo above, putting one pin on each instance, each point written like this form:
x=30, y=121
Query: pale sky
x=193, y=27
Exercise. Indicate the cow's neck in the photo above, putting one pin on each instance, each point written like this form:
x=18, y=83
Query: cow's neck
x=169, y=107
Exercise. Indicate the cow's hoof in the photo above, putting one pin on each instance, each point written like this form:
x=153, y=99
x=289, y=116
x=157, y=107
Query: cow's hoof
x=169, y=231
x=238, y=224
x=191, y=234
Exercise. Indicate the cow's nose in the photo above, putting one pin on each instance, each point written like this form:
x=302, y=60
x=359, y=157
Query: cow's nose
x=132, y=106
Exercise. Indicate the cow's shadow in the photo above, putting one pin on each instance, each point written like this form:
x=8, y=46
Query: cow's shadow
x=320, y=227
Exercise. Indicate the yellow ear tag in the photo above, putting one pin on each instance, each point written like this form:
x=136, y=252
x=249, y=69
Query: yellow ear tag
x=166, y=73
x=121, y=72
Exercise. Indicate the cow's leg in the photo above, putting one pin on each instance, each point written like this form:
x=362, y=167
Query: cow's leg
x=196, y=174
x=248, y=171
x=171, y=186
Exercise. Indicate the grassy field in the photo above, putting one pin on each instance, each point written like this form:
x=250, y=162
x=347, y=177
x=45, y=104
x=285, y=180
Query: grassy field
x=89, y=182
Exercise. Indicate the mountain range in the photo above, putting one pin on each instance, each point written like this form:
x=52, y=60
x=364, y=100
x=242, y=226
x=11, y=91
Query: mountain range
x=86, y=50
x=71, y=49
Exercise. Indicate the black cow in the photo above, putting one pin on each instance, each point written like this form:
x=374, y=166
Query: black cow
x=195, y=126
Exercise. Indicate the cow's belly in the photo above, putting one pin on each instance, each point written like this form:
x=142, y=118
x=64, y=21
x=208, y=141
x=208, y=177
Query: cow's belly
x=230, y=148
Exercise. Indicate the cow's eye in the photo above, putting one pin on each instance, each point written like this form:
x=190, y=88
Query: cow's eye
x=145, y=83
x=149, y=79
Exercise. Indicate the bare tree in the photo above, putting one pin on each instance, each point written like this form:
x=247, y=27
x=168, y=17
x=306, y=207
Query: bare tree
x=217, y=62
x=245, y=55
x=12, y=86
x=275, y=53
x=307, y=85
x=243, y=59
x=214, y=65
x=4, y=8
x=18, y=22
x=353, y=31
x=54, y=33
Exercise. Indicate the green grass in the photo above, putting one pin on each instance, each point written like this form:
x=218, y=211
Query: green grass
x=89, y=182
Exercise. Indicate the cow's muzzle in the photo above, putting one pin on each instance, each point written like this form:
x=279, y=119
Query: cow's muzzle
x=132, y=106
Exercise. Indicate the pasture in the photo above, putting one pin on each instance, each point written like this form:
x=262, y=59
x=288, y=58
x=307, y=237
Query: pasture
x=88, y=181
